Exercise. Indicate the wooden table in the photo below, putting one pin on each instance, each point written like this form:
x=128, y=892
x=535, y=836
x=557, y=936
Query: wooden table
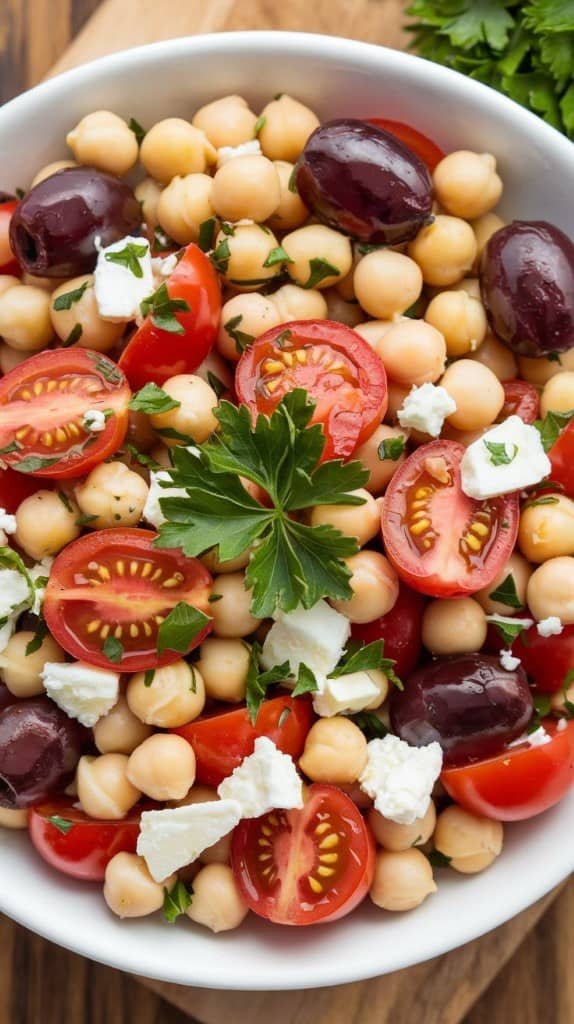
x=522, y=971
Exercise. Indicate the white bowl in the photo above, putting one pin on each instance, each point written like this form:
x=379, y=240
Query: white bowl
x=337, y=78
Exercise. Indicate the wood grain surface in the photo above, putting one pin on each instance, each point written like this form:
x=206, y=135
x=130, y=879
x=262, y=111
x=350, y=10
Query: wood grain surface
x=522, y=971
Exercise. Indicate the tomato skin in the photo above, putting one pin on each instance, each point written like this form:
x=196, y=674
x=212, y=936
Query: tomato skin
x=153, y=354
x=295, y=855
x=561, y=456
x=420, y=144
x=223, y=739
x=401, y=630
x=15, y=487
x=348, y=410
x=546, y=660
x=86, y=849
x=519, y=783
x=520, y=399
x=441, y=570
x=11, y=266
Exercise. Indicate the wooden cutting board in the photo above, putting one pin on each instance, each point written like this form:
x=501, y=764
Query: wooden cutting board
x=444, y=990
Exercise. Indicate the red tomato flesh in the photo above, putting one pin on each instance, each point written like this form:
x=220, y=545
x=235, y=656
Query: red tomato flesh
x=42, y=405
x=333, y=364
x=400, y=629
x=223, y=738
x=520, y=399
x=116, y=584
x=77, y=845
x=440, y=541
x=546, y=660
x=8, y=262
x=561, y=456
x=520, y=782
x=155, y=354
x=14, y=487
x=305, y=867
x=420, y=144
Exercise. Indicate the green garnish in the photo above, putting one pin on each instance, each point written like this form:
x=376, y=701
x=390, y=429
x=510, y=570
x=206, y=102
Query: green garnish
x=547, y=499
x=216, y=384
x=258, y=682
x=206, y=231
x=391, y=448
x=129, y=257
x=277, y=255
x=139, y=132
x=149, y=676
x=176, y=901
x=259, y=124
x=507, y=628
x=506, y=593
x=163, y=310
x=33, y=463
x=551, y=427
x=241, y=339
x=41, y=633
x=180, y=628
x=67, y=300
x=362, y=657
x=319, y=269
x=438, y=859
x=370, y=725
x=74, y=336
x=62, y=824
x=220, y=256
x=498, y=453
x=306, y=681
x=152, y=400
x=113, y=649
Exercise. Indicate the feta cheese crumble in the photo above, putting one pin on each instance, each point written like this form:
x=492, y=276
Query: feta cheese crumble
x=39, y=574
x=15, y=592
x=400, y=778
x=426, y=408
x=265, y=781
x=508, y=660
x=152, y=512
x=552, y=626
x=119, y=292
x=350, y=693
x=94, y=420
x=83, y=692
x=172, y=838
x=522, y=461
x=7, y=522
x=313, y=636
x=226, y=153
x=539, y=737
x=164, y=266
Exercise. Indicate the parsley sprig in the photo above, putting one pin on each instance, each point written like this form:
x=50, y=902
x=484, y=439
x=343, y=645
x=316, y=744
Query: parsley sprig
x=362, y=657
x=129, y=257
x=163, y=309
x=291, y=563
x=152, y=400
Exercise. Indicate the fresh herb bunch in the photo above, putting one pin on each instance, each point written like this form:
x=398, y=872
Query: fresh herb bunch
x=523, y=50
x=292, y=563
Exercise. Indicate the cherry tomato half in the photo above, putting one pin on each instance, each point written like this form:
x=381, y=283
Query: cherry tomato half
x=337, y=368
x=439, y=540
x=42, y=407
x=561, y=456
x=222, y=739
x=77, y=845
x=401, y=630
x=155, y=353
x=114, y=585
x=14, y=487
x=8, y=262
x=520, y=399
x=308, y=866
x=420, y=144
x=546, y=660
x=520, y=782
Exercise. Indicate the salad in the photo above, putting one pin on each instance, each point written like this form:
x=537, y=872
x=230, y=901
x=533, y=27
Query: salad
x=287, y=523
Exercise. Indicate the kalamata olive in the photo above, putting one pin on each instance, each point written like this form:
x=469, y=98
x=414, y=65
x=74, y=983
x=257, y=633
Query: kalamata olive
x=527, y=286
x=362, y=180
x=39, y=750
x=469, y=704
x=54, y=229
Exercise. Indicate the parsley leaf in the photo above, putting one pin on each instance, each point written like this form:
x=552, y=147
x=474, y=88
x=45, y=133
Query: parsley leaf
x=542, y=708
x=176, y=901
x=241, y=338
x=506, y=593
x=129, y=257
x=362, y=657
x=216, y=384
x=257, y=682
x=163, y=310
x=152, y=400
x=306, y=681
x=206, y=231
x=259, y=125
x=139, y=132
x=391, y=448
x=277, y=255
x=547, y=499
x=319, y=269
x=220, y=256
x=499, y=453
x=113, y=649
x=62, y=824
x=551, y=427
x=149, y=676
x=74, y=336
x=507, y=628
x=67, y=300
x=370, y=725
x=180, y=628
x=33, y=463
x=438, y=859
x=35, y=643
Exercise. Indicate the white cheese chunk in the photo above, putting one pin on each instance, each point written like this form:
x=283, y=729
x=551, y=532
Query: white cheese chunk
x=508, y=660
x=39, y=573
x=313, y=636
x=119, y=292
x=400, y=778
x=520, y=462
x=225, y=153
x=172, y=838
x=426, y=408
x=7, y=522
x=15, y=592
x=267, y=780
x=552, y=626
x=539, y=737
x=7, y=630
x=152, y=512
x=350, y=693
x=94, y=420
x=83, y=692
x=164, y=266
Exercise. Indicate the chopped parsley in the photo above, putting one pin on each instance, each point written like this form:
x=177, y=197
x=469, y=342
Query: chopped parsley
x=180, y=628
x=67, y=300
x=506, y=593
x=129, y=257
x=319, y=270
x=113, y=649
x=153, y=400
x=499, y=453
x=162, y=309
x=391, y=448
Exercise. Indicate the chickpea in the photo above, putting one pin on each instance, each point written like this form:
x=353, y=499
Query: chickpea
x=25, y=318
x=396, y=395
x=518, y=568
x=247, y=186
x=213, y=564
x=247, y=251
x=558, y=394
x=470, y=285
x=251, y=314
x=413, y=352
x=147, y=194
x=217, y=902
x=547, y=531
x=349, y=313
x=194, y=415
x=184, y=205
x=231, y=613
x=226, y=122
x=484, y=228
x=114, y=494
x=453, y=625
x=539, y=371
x=44, y=525
x=375, y=587
x=103, y=140
x=317, y=242
x=444, y=250
x=360, y=521
x=402, y=880
x=174, y=146
x=97, y=334
x=50, y=169
x=386, y=283
x=472, y=843
x=129, y=889
x=496, y=357
x=395, y=837
x=175, y=696
x=291, y=211
x=13, y=819
x=373, y=330
x=10, y=358
x=286, y=128
x=550, y=591
x=224, y=663
x=335, y=751
x=478, y=394
x=104, y=789
x=120, y=732
x=460, y=319
x=380, y=470
x=162, y=767
x=8, y=281
x=295, y=303
x=466, y=184
x=21, y=671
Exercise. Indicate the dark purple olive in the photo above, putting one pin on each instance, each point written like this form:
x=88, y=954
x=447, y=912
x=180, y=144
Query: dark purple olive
x=362, y=180
x=53, y=230
x=469, y=704
x=39, y=750
x=527, y=286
